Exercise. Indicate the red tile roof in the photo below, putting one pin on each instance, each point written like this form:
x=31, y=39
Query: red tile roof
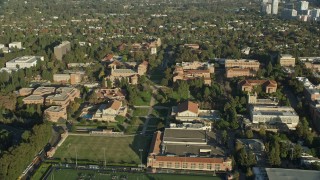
x=188, y=106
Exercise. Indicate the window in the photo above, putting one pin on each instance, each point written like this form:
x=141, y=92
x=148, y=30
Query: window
x=184, y=165
x=201, y=166
x=217, y=167
x=208, y=166
x=160, y=164
x=169, y=164
x=177, y=165
x=193, y=165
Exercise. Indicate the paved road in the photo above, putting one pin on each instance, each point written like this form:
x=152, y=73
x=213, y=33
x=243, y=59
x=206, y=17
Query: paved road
x=292, y=98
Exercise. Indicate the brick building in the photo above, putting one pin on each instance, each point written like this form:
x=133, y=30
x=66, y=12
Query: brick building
x=269, y=86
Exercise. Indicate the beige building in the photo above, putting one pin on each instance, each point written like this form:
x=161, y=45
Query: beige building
x=44, y=91
x=108, y=112
x=63, y=96
x=73, y=78
x=112, y=94
x=25, y=91
x=193, y=70
x=240, y=72
x=287, y=60
x=313, y=66
x=269, y=86
x=33, y=99
x=185, y=158
x=130, y=74
x=62, y=49
x=55, y=113
x=242, y=64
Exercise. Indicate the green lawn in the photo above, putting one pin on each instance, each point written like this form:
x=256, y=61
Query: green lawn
x=140, y=112
x=72, y=174
x=118, y=150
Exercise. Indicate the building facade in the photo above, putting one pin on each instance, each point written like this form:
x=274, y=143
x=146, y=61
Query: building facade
x=62, y=49
x=287, y=60
x=269, y=86
x=55, y=113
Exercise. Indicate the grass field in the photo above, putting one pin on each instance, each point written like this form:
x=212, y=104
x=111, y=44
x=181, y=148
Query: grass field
x=118, y=150
x=71, y=174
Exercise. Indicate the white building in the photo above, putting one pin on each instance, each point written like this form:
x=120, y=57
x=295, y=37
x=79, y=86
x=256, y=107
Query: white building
x=303, y=5
x=270, y=114
x=1, y=46
x=266, y=8
x=17, y=45
x=23, y=62
x=275, y=4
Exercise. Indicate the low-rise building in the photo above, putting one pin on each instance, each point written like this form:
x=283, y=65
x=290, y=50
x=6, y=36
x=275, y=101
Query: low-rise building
x=72, y=78
x=185, y=75
x=287, y=60
x=307, y=159
x=261, y=173
x=55, y=113
x=23, y=62
x=269, y=86
x=108, y=112
x=311, y=91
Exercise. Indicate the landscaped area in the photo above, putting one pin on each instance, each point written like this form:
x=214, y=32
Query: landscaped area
x=140, y=112
x=87, y=174
x=118, y=150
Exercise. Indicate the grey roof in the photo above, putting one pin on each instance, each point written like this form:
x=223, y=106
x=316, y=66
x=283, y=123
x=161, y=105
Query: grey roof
x=292, y=174
x=181, y=149
x=183, y=135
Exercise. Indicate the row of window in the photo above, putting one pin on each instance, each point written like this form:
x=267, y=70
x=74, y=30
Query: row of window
x=185, y=165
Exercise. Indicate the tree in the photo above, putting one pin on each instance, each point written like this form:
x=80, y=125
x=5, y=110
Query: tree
x=224, y=136
x=269, y=69
x=249, y=134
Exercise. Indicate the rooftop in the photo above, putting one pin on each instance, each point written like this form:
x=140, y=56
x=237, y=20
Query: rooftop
x=188, y=106
x=292, y=174
x=183, y=135
x=124, y=71
x=33, y=97
x=55, y=109
x=24, y=59
x=189, y=159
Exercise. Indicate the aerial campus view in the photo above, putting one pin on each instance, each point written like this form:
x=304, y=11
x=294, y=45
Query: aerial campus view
x=160, y=89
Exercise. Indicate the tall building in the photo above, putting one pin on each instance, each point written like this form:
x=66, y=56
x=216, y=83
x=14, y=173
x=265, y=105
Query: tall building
x=62, y=49
x=303, y=5
x=266, y=8
x=315, y=13
x=289, y=13
x=275, y=4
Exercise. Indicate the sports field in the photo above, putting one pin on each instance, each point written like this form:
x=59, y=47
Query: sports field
x=71, y=174
x=116, y=150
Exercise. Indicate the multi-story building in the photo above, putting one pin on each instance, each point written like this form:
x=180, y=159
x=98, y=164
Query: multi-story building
x=242, y=63
x=269, y=86
x=111, y=94
x=240, y=72
x=188, y=111
x=44, y=91
x=266, y=8
x=178, y=149
x=287, y=60
x=194, y=70
x=289, y=13
x=33, y=99
x=62, y=49
x=303, y=5
x=270, y=114
x=55, y=113
x=25, y=91
x=275, y=4
x=23, y=62
x=130, y=74
x=73, y=78
x=311, y=91
x=108, y=112
x=315, y=13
